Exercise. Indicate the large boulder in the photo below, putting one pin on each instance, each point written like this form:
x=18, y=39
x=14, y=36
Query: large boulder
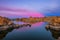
x=4, y=21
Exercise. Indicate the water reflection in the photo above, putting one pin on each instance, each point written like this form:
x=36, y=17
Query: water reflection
x=55, y=34
x=37, y=32
x=3, y=32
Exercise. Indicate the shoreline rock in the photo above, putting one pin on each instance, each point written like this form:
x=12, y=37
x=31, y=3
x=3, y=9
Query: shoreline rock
x=15, y=26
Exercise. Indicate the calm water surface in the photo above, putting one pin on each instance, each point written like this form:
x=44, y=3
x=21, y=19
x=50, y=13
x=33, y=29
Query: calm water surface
x=36, y=32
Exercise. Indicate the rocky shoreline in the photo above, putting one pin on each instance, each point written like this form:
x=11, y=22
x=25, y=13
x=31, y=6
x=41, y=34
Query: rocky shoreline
x=53, y=22
x=15, y=26
x=6, y=23
x=56, y=28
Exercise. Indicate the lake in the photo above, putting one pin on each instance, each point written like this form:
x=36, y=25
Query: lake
x=36, y=32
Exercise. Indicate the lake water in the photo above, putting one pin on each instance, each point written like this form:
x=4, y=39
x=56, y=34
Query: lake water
x=36, y=32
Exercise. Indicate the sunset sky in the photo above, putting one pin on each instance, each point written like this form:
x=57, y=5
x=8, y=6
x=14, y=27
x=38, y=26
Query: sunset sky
x=29, y=7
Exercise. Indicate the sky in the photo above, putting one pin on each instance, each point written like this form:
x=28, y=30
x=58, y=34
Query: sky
x=30, y=7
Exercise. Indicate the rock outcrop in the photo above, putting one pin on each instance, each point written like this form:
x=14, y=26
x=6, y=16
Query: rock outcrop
x=55, y=34
x=52, y=19
x=6, y=23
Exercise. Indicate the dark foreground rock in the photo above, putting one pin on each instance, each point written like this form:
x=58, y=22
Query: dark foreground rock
x=55, y=33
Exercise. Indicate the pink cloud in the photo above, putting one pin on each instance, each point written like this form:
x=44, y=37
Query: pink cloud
x=19, y=12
